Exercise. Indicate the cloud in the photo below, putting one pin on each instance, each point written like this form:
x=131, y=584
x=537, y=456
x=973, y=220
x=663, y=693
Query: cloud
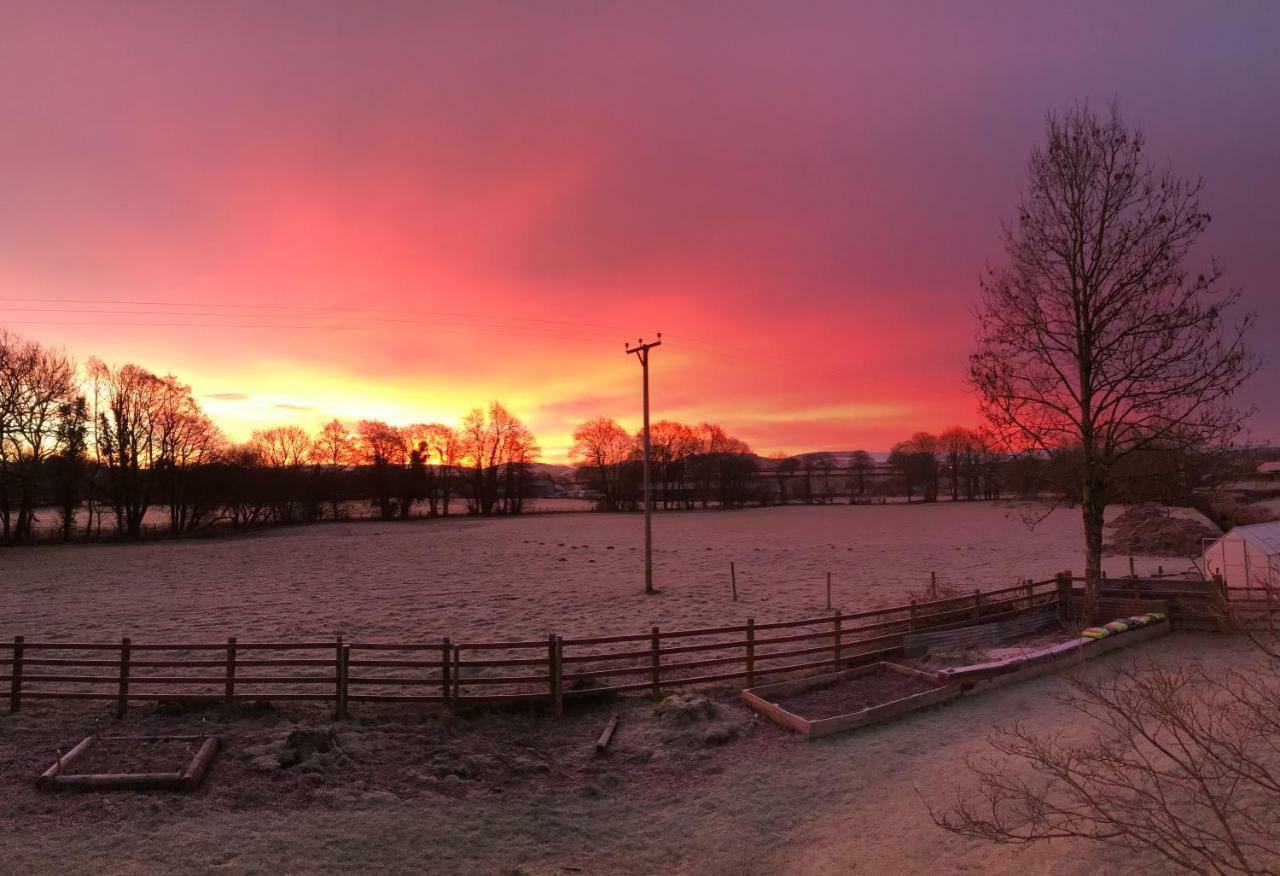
x=228, y=396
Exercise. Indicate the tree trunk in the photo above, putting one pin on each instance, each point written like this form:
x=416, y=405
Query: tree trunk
x=1092, y=508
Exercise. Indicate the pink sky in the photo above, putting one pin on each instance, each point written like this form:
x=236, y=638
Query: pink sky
x=403, y=211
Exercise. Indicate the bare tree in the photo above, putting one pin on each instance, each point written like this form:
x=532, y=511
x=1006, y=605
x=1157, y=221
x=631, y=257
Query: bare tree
x=332, y=450
x=189, y=441
x=496, y=451
x=36, y=384
x=958, y=449
x=670, y=444
x=860, y=465
x=784, y=469
x=126, y=437
x=285, y=451
x=602, y=450
x=444, y=446
x=1095, y=337
x=1183, y=764
x=383, y=449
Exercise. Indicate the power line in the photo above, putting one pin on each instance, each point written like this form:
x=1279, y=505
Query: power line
x=354, y=322
x=301, y=327
x=312, y=307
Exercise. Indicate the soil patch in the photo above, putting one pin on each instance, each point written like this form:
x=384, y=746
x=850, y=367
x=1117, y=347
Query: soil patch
x=1152, y=530
x=134, y=756
x=854, y=694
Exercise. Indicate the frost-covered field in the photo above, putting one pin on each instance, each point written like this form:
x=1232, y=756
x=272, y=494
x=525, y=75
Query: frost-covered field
x=416, y=789
x=577, y=574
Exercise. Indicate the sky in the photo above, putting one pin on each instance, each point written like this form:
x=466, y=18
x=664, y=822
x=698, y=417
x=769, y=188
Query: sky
x=401, y=211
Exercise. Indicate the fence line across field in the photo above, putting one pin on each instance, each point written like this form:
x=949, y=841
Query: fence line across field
x=552, y=669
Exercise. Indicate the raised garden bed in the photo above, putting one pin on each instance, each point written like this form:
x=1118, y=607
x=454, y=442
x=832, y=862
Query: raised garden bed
x=838, y=701
x=132, y=763
x=1017, y=664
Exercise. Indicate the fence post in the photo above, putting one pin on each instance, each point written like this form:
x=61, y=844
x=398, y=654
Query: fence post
x=231, y=670
x=446, y=654
x=1219, y=606
x=457, y=675
x=751, y=652
x=1064, y=594
x=1030, y=595
x=340, y=694
x=911, y=618
x=559, y=676
x=977, y=604
x=554, y=674
x=839, y=636
x=122, y=697
x=656, y=670
x=15, y=690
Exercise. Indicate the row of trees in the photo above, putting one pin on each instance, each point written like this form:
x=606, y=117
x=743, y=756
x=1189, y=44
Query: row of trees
x=692, y=465
x=104, y=445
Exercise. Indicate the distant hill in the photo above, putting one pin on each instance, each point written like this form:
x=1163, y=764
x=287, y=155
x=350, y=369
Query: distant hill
x=548, y=468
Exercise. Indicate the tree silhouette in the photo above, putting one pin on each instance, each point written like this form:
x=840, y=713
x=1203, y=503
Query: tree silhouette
x=1095, y=337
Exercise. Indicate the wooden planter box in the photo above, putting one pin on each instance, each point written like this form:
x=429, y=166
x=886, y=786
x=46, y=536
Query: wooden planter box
x=189, y=778
x=758, y=698
x=997, y=673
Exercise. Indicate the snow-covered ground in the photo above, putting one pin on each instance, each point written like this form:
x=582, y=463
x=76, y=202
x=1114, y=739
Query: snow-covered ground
x=420, y=790
x=575, y=574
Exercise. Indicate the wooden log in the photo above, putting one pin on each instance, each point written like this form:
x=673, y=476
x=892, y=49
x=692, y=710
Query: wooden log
x=655, y=669
x=122, y=697
x=193, y=775
x=46, y=778
x=231, y=670
x=118, y=782
x=15, y=682
x=602, y=744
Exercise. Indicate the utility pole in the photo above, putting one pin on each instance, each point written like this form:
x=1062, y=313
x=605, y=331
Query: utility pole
x=642, y=353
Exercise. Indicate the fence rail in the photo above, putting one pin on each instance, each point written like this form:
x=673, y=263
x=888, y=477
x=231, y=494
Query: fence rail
x=551, y=670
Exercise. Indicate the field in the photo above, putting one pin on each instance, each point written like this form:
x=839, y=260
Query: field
x=569, y=574
x=417, y=790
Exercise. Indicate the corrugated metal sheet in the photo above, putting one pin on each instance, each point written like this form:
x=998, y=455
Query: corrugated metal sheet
x=1264, y=535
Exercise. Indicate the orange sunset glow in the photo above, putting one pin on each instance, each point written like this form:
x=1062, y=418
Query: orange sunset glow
x=312, y=213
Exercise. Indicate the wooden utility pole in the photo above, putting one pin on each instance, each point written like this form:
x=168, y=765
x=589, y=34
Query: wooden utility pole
x=642, y=353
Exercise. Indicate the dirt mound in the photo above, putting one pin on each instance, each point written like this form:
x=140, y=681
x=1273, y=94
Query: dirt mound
x=684, y=709
x=1151, y=531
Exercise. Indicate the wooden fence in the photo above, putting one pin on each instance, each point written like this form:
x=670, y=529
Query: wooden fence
x=462, y=673
x=556, y=668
